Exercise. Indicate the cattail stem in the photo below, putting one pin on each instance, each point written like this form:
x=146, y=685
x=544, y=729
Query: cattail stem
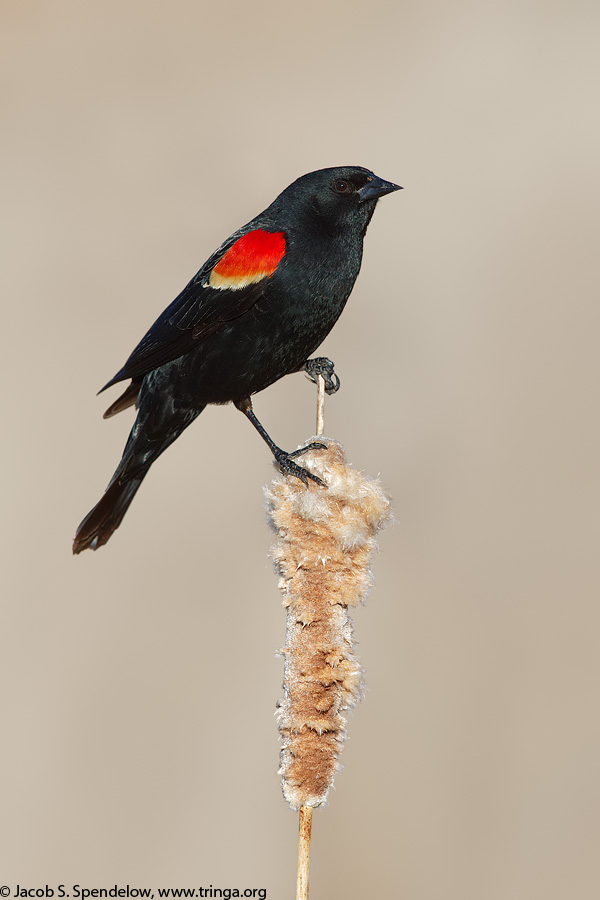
x=320, y=405
x=304, y=831
x=305, y=812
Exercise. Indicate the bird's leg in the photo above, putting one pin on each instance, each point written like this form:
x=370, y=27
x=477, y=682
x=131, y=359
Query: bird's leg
x=320, y=365
x=284, y=460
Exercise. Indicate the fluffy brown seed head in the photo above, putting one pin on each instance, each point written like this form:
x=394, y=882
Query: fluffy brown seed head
x=325, y=540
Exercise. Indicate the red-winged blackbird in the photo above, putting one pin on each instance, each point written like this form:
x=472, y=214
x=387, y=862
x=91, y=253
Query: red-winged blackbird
x=255, y=312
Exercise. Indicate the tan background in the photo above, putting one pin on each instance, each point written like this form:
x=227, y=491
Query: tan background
x=139, y=683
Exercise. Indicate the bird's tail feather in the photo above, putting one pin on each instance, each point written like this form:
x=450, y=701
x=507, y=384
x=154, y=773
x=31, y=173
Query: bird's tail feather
x=154, y=430
x=127, y=398
x=107, y=514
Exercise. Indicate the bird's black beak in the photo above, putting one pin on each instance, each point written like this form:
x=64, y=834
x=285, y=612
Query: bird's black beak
x=376, y=187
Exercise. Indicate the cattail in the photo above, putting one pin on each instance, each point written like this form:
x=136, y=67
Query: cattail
x=326, y=538
x=325, y=541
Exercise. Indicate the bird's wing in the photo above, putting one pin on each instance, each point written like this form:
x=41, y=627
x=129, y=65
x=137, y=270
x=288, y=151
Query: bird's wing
x=226, y=287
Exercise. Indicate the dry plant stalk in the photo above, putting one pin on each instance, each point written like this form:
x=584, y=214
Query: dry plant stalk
x=325, y=541
x=304, y=831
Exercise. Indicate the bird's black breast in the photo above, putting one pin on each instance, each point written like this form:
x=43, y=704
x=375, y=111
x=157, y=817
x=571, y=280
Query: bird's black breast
x=295, y=311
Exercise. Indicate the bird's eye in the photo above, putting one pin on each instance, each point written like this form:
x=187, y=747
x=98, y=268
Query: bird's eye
x=343, y=187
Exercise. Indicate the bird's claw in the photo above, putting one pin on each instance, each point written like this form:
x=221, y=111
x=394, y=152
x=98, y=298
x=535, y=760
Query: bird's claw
x=320, y=365
x=286, y=463
x=316, y=445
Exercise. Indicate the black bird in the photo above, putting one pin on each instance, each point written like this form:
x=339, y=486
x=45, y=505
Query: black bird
x=256, y=311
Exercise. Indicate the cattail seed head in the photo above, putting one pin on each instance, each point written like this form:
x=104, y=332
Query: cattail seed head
x=325, y=540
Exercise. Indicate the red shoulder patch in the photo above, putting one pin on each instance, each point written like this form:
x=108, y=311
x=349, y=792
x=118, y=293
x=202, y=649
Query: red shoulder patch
x=253, y=257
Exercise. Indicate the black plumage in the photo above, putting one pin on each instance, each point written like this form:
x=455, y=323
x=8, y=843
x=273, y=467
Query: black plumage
x=256, y=311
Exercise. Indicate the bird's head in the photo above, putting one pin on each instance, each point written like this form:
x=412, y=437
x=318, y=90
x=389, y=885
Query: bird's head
x=341, y=196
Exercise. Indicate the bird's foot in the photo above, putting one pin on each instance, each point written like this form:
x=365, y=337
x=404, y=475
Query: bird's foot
x=286, y=463
x=320, y=365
